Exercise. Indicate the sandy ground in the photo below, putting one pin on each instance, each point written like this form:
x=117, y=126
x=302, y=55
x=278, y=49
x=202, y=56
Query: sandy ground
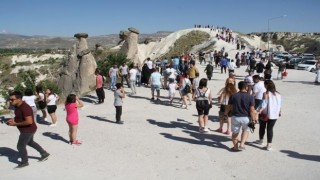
x=159, y=141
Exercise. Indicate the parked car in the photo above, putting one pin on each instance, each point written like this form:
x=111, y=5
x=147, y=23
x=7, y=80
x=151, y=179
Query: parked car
x=307, y=56
x=293, y=62
x=308, y=65
x=277, y=60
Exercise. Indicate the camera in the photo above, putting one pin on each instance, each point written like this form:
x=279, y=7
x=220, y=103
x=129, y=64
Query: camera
x=251, y=125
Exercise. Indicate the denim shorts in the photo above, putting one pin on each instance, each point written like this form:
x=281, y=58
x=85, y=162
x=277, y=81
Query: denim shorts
x=238, y=122
x=155, y=87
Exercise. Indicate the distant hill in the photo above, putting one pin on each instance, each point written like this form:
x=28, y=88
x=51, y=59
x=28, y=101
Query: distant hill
x=48, y=42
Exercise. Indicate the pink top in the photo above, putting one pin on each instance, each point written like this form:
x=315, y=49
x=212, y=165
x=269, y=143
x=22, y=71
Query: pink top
x=72, y=113
x=99, y=81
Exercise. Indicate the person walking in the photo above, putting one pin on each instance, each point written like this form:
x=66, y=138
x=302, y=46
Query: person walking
x=270, y=112
x=223, y=64
x=258, y=90
x=192, y=71
x=72, y=104
x=242, y=108
x=25, y=123
x=223, y=100
x=155, y=81
x=119, y=94
x=133, y=78
x=185, y=87
x=282, y=68
x=209, y=70
x=203, y=98
x=99, y=86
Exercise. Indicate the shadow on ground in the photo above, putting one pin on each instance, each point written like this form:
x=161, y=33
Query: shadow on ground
x=297, y=155
x=302, y=82
x=211, y=140
x=101, y=119
x=55, y=136
x=12, y=155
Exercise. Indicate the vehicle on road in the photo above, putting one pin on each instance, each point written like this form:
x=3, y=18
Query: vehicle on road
x=309, y=65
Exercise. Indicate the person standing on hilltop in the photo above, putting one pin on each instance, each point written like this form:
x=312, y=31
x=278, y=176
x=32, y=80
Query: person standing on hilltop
x=24, y=120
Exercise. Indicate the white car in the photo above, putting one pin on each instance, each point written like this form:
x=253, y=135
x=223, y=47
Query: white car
x=309, y=65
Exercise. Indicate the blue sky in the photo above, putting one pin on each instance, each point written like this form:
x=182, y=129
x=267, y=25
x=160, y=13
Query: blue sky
x=102, y=17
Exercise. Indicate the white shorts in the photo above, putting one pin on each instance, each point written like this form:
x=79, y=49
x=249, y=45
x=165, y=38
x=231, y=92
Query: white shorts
x=238, y=122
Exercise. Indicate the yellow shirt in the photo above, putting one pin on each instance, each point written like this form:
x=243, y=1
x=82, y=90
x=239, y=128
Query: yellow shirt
x=192, y=72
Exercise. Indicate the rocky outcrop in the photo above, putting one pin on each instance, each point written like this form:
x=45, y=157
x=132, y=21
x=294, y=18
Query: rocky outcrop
x=77, y=75
x=99, y=48
x=130, y=44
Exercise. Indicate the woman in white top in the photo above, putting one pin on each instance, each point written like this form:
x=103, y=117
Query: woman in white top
x=51, y=98
x=224, y=99
x=271, y=108
x=172, y=90
x=41, y=102
x=30, y=99
x=203, y=104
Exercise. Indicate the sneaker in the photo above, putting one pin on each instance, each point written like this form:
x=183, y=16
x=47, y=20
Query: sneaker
x=219, y=130
x=76, y=142
x=53, y=125
x=22, y=165
x=119, y=122
x=44, y=157
x=269, y=148
x=152, y=98
x=205, y=130
x=259, y=141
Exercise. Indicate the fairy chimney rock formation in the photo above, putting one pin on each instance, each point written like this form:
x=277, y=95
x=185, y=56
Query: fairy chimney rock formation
x=130, y=45
x=78, y=75
x=99, y=48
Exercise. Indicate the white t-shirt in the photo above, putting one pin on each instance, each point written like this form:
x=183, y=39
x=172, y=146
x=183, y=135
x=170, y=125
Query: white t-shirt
x=274, y=106
x=258, y=90
x=149, y=64
x=30, y=100
x=52, y=99
x=133, y=74
x=196, y=82
x=172, y=73
x=155, y=78
x=231, y=65
x=41, y=95
x=124, y=70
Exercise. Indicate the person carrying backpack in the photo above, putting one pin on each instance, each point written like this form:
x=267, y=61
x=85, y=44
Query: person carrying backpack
x=203, y=104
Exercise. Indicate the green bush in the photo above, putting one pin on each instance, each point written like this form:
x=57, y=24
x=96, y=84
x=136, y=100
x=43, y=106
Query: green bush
x=113, y=58
x=186, y=42
x=51, y=84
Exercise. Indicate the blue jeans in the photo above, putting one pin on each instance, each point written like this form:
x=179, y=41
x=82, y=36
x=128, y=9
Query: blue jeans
x=113, y=81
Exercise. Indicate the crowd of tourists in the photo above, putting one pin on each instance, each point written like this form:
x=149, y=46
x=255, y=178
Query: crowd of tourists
x=254, y=99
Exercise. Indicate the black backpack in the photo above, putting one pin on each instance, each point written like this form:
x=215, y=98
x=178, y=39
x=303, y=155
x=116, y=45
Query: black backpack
x=202, y=101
